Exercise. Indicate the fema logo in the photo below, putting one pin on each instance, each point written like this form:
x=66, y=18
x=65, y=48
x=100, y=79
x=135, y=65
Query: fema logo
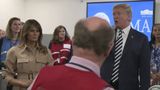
x=103, y=16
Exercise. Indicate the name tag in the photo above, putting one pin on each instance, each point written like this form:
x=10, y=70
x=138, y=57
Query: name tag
x=68, y=46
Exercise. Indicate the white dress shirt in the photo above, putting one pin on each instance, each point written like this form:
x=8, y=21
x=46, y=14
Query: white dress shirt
x=125, y=33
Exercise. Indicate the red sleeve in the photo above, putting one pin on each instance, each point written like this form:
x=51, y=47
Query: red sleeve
x=39, y=80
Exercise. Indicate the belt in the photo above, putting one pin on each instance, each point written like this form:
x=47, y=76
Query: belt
x=29, y=76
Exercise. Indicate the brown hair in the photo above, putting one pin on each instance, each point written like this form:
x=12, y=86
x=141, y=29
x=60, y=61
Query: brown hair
x=9, y=33
x=157, y=25
x=55, y=37
x=26, y=28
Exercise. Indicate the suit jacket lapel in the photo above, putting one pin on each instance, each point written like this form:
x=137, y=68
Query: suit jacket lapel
x=128, y=42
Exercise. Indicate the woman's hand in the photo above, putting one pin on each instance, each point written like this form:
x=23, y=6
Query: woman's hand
x=25, y=83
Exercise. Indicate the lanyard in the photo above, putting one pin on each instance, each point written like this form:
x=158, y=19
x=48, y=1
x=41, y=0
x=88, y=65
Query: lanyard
x=81, y=66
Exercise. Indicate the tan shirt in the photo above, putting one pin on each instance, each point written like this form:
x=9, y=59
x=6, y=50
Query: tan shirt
x=25, y=63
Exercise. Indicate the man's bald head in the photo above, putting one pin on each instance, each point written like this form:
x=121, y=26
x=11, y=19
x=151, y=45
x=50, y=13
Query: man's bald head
x=93, y=33
x=93, y=23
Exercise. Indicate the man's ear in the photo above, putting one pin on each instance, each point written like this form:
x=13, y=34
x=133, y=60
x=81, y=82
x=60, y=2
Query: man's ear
x=130, y=17
x=110, y=46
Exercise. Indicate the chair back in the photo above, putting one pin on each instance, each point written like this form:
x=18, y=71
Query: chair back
x=154, y=87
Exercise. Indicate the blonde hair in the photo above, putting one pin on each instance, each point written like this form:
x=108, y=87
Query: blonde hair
x=9, y=33
x=126, y=7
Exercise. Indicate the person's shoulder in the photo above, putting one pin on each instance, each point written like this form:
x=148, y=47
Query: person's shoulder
x=139, y=34
x=67, y=40
x=4, y=38
x=49, y=68
x=46, y=69
x=52, y=70
x=14, y=48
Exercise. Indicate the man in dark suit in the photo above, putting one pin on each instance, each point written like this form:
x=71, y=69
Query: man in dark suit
x=133, y=69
